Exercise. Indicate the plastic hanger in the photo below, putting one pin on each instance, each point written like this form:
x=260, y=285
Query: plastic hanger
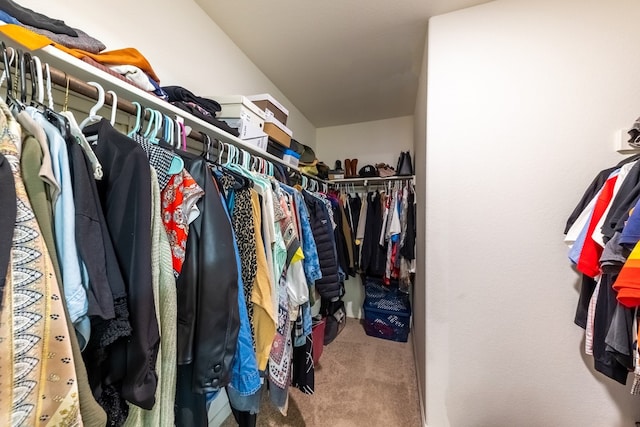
x=157, y=124
x=177, y=164
x=59, y=121
x=47, y=72
x=12, y=100
x=93, y=112
x=207, y=144
x=167, y=129
x=152, y=117
x=136, y=126
x=114, y=107
x=7, y=62
x=37, y=82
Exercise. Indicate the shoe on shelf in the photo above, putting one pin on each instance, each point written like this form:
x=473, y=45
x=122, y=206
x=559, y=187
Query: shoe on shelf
x=354, y=168
x=347, y=168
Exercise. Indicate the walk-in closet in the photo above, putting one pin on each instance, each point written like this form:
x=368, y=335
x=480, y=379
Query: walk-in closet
x=299, y=214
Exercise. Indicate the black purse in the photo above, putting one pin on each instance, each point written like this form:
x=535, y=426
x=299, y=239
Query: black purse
x=335, y=318
x=405, y=166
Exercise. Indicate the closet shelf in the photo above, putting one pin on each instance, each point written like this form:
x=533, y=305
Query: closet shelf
x=372, y=180
x=74, y=67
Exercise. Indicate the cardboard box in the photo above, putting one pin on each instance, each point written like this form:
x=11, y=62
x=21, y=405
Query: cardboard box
x=278, y=132
x=239, y=107
x=270, y=106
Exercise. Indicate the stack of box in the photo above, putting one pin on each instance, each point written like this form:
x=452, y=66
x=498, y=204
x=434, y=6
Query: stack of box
x=239, y=112
x=276, y=116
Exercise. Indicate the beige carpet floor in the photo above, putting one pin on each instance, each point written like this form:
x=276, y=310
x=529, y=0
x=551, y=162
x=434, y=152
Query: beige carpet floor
x=361, y=381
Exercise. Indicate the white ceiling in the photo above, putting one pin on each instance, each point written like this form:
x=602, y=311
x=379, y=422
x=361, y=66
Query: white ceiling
x=339, y=62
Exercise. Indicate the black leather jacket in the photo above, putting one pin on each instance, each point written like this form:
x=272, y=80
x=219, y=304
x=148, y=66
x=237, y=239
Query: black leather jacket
x=208, y=319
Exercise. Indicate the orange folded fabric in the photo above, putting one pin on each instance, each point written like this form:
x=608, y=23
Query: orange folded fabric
x=34, y=41
x=628, y=282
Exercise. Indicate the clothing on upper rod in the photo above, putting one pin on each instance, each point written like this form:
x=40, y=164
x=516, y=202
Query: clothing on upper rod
x=129, y=277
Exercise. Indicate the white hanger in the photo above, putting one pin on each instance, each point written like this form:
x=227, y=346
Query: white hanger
x=49, y=95
x=40, y=80
x=93, y=112
x=114, y=107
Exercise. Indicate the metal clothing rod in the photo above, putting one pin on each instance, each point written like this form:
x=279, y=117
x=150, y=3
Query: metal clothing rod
x=83, y=88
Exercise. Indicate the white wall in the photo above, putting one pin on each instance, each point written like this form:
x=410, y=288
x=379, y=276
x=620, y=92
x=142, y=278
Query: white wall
x=419, y=291
x=184, y=46
x=373, y=142
x=523, y=102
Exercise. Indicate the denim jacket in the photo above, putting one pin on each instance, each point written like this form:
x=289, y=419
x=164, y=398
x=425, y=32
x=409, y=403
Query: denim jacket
x=245, y=377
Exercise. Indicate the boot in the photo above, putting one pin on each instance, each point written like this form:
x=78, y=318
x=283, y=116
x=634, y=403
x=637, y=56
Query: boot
x=347, y=168
x=354, y=168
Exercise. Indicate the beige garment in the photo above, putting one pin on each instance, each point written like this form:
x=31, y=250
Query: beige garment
x=165, y=300
x=264, y=317
x=92, y=414
x=38, y=383
x=46, y=168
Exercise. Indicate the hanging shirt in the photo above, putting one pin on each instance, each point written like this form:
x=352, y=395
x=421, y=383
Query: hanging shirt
x=65, y=229
x=125, y=194
x=264, y=316
x=311, y=262
x=179, y=198
x=33, y=318
x=598, y=234
x=589, y=257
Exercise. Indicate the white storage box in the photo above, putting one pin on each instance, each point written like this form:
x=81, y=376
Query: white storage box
x=259, y=142
x=239, y=107
x=291, y=157
x=246, y=128
x=270, y=106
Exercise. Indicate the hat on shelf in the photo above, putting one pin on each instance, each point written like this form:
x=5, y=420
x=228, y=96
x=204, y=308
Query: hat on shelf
x=308, y=156
x=368, y=171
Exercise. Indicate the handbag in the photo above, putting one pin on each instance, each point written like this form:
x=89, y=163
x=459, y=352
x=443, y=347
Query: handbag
x=335, y=318
x=405, y=166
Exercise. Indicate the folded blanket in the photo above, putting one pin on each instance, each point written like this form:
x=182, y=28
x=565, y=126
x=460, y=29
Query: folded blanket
x=35, y=19
x=193, y=109
x=135, y=74
x=109, y=71
x=35, y=41
x=83, y=41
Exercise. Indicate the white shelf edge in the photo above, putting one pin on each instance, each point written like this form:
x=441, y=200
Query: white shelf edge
x=87, y=72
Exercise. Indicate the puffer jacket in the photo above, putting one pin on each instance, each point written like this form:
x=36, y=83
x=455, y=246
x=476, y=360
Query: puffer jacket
x=328, y=285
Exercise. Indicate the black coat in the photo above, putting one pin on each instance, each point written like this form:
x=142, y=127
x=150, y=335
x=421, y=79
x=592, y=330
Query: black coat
x=125, y=197
x=328, y=285
x=208, y=318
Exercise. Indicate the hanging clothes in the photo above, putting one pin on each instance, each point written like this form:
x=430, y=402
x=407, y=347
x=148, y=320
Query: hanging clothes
x=33, y=317
x=125, y=196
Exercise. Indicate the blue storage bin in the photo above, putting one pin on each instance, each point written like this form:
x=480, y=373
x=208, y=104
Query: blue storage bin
x=387, y=312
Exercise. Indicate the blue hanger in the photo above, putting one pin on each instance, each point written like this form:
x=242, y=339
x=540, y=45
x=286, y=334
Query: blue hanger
x=136, y=126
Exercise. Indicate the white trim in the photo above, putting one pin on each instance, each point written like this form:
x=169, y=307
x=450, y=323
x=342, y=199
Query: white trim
x=423, y=412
